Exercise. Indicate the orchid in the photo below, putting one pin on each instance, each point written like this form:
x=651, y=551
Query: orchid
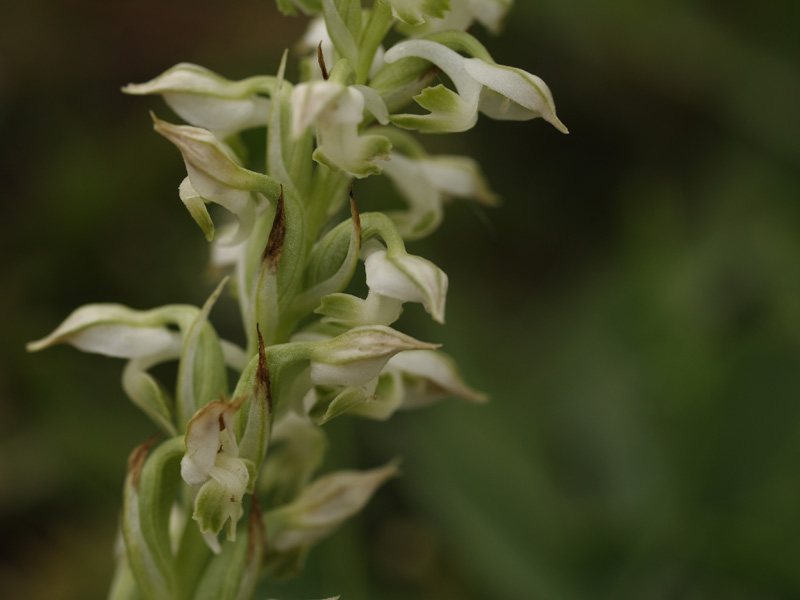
x=244, y=461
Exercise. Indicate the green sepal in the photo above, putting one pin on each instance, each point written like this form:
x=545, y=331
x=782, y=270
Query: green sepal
x=201, y=372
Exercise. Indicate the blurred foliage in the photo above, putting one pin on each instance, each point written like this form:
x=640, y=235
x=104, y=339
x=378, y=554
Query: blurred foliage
x=632, y=308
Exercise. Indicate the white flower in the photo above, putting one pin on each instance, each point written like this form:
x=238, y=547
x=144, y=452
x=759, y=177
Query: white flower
x=426, y=182
x=429, y=376
x=321, y=507
x=214, y=175
x=463, y=13
x=205, y=99
x=497, y=91
x=408, y=278
x=356, y=357
x=414, y=12
x=415, y=379
x=336, y=110
x=213, y=467
x=115, y=330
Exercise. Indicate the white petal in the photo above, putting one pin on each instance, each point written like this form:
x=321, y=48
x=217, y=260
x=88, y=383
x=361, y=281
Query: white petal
x=408, y=278
x=322, y=506
x=526, y=90
x=113, y=330
x=357, y=356
x=441, y=374
x=449, y=61
x=203, y=439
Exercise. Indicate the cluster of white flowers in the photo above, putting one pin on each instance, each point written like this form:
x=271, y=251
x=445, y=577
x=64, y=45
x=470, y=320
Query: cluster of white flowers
x=313, y=352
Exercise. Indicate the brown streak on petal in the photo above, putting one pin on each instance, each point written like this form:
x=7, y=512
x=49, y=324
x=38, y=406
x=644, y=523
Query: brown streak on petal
x=137, y=457
x=262, y=374
x=321, y=60
x=272, y=253
x=355, y=214
x=256, y=537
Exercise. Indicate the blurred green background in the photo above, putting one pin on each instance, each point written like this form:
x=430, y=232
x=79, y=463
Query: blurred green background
x=633, y=308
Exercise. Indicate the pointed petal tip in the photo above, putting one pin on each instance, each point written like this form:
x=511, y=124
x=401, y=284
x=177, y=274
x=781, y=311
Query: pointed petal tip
x=556, y=122
x=36, y=345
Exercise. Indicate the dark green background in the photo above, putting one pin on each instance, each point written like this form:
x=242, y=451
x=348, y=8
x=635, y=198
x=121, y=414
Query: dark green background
x=633, y=308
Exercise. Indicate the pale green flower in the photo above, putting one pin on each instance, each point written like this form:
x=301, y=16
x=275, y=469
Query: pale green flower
x=322, y=507
x=426, y=182
x=213, y=467
x=205, y=99
x=497, y=91
x=336, y=111
x=462, y=15
x=357, y=356
x=416, y=12
x=408, y=278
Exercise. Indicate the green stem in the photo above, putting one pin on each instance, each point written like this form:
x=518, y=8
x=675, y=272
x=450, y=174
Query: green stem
x=378, y=25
